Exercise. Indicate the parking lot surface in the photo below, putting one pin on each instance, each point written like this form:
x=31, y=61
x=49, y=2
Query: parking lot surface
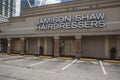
x=35, y=68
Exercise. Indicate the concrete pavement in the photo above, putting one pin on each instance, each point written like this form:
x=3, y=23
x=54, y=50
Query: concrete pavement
x=36, y=68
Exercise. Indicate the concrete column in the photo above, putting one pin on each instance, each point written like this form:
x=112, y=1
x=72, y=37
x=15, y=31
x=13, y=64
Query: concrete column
x=45, y=45
x=38, y=45
x=107, y=46
x=56, y=46
x=23, y=46
x=10, y=46
x=78, y=46
x=26, y=45
x=118, y=47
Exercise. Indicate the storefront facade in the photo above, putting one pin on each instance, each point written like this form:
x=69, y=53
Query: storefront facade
x=76, y=29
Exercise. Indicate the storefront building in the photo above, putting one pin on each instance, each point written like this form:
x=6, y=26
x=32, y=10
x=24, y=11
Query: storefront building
x=77, y=29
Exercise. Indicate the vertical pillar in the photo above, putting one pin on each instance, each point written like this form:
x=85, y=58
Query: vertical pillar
x=26, y=47
x=118, y=47
x=107, y=46
x=10, y=46
x=45, y=45
x=23, y=46
x=78, y=46
x=56, y=46
x=38, y=45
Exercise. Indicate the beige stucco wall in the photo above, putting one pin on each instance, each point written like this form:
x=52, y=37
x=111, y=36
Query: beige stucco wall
x=26, y=26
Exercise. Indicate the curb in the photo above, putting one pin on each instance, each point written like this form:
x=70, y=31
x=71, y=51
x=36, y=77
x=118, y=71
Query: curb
x=45, y=57
x=62, y=58
x=28, y=55
x=65, y=58
x=2, y=54
x=14, y=54
x=112, y=61
x=88, y=59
